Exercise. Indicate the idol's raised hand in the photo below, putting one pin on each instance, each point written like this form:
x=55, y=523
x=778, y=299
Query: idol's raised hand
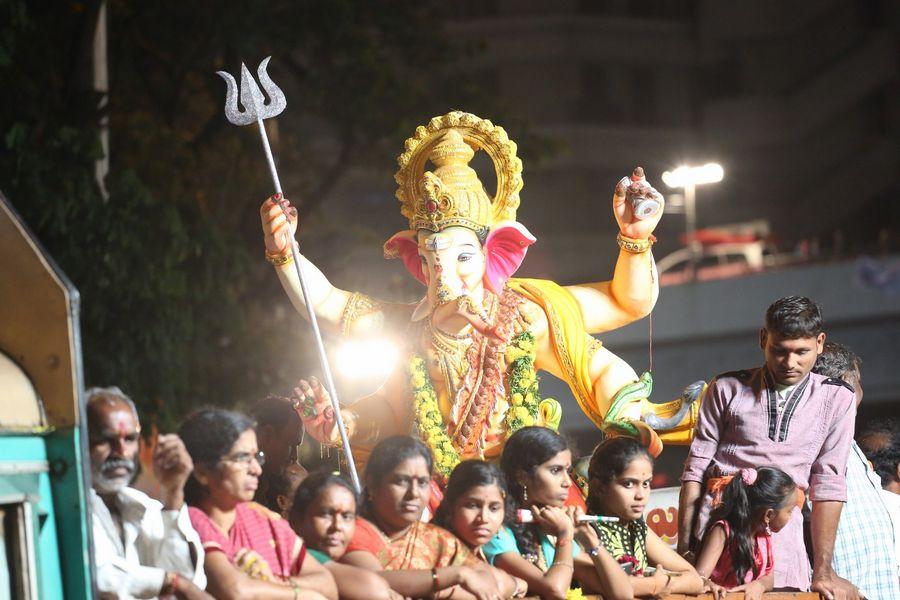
x=627, y=190
x=278, y=229
x=313, y=404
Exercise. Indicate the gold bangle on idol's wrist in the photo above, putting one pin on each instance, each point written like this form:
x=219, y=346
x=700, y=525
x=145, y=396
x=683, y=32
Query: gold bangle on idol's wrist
x=279, y=260
x=634, y=246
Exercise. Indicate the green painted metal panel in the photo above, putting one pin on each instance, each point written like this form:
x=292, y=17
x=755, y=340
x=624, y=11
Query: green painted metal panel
x=28, y=454
x=67, y=473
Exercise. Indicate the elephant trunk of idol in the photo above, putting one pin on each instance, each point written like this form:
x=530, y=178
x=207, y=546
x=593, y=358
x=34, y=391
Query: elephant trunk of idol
x=451, y=301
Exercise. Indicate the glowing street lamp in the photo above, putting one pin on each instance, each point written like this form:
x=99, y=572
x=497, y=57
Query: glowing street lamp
x=685, y=176
x=689, y=178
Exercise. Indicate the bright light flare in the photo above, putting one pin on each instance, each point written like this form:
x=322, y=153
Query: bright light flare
x=368, y=359
x=685, y=176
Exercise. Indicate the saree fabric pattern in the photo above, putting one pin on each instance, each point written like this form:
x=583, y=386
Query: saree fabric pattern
x=255, y=528
x=421, y=546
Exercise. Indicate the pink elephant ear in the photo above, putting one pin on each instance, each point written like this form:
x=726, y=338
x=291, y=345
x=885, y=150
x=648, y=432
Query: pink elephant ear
x=504, y=251
x=405, y=245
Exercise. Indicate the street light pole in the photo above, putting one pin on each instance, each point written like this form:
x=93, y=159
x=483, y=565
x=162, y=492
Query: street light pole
x=688, y=178
x=690, y=224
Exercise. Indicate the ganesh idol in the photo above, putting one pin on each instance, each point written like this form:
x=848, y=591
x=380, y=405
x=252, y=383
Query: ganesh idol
x=475, y=341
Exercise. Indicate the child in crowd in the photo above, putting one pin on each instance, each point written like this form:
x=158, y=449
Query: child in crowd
x=737, y=546
x=283, y=487
x=473, y=509
x=619, y=482
x=535, y=462
x=323, y=513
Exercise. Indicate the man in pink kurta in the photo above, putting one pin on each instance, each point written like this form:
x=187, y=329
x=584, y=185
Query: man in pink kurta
x=779, y=415
x=808, y=438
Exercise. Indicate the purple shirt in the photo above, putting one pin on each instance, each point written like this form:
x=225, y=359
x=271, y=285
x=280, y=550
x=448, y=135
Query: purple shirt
x=741, y=425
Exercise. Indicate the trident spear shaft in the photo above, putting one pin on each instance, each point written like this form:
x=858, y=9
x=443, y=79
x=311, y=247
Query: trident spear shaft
x=256, y=110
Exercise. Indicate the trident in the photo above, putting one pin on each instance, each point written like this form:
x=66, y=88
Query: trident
x=255, y=109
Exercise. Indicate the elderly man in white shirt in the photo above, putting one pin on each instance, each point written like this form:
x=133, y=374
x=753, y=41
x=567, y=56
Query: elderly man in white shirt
x=143, y=548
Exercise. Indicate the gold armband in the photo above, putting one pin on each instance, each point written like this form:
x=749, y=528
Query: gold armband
x=358, y=305
x=279, y=260
x=634, y=246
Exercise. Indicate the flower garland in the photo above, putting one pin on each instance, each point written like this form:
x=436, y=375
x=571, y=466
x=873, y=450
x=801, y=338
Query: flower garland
x=522, y=383
x=429, y=421
x=521, y=392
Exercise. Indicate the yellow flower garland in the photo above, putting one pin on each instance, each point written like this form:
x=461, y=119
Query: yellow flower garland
x=521, y=393
x=429, y=421
x=522, y=383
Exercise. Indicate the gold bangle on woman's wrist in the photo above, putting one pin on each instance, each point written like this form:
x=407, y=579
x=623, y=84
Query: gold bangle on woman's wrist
x=280, y=259
x=633, y=245
x=435, y=582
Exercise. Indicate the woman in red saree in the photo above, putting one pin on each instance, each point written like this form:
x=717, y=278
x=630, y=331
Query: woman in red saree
x=417, y=559
x=250, y=551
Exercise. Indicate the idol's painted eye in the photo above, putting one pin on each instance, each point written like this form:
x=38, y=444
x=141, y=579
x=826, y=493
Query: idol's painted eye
x=464, y=257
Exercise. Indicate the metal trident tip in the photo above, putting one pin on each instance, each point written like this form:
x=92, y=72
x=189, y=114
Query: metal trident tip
x=252, y=98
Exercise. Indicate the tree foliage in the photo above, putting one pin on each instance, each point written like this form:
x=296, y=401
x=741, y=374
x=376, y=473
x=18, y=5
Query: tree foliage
x=178, y=307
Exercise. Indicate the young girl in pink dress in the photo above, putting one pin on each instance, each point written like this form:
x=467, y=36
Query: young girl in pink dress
x=737, y=546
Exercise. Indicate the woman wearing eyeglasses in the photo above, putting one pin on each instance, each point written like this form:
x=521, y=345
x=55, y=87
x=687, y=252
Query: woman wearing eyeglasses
x=251, y=552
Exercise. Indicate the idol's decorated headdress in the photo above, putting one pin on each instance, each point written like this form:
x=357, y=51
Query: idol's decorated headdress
x=452, y=194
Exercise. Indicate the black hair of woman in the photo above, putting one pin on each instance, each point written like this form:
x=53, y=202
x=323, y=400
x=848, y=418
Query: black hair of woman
x=208, y=435
x=314, y=486
x=467, y=475
x=524, y=452
x=745, y=501
x=609, y=460
x=385, y=457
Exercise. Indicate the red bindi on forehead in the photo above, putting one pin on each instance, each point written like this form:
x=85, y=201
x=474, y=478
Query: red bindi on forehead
x=122, y=423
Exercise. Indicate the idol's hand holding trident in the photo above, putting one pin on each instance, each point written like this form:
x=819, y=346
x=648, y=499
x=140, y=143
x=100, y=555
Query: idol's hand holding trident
x=256, y=110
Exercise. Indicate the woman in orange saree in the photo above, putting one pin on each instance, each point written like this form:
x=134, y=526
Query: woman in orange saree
x=417, y=559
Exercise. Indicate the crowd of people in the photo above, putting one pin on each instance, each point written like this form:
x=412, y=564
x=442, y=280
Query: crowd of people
x=776, y=494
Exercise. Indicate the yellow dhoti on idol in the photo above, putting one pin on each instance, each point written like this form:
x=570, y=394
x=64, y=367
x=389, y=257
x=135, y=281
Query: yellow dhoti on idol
x=474, y=343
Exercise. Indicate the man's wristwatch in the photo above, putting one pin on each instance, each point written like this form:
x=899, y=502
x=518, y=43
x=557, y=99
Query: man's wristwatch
x=594, y=552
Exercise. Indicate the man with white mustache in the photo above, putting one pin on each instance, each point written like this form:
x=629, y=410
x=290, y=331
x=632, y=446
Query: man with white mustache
x=143, y=548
